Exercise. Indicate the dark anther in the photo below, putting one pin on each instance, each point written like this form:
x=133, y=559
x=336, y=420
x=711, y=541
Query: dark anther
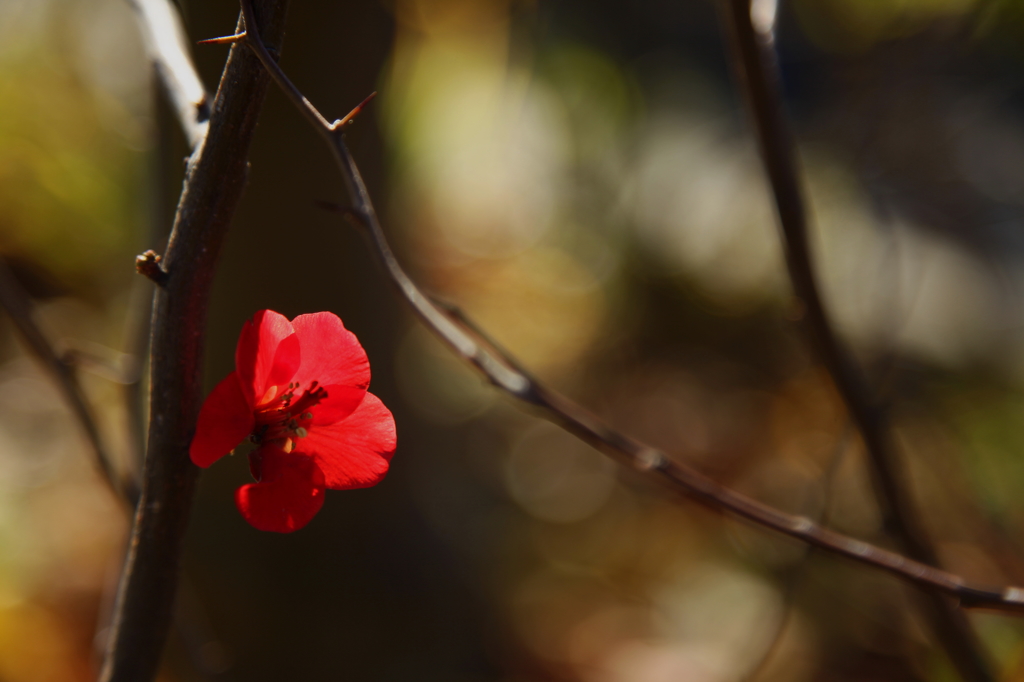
x=256, y=437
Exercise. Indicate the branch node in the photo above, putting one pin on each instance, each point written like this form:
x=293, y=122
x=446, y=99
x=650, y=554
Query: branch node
x=148, y=264
x=650, y=460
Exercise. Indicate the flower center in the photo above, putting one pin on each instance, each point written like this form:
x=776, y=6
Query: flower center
x=284, y=418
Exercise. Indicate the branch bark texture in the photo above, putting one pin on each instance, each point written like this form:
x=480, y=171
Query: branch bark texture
x=214, y=182
x=757, y=70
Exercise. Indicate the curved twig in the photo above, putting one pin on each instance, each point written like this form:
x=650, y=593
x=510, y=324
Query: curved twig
x=758, y=76
x=501, y=371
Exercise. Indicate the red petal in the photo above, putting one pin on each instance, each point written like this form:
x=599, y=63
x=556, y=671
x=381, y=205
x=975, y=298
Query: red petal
x=225, y=420
x=354, y=453
x=267, y=354
x=288, y=497
x=332, y=356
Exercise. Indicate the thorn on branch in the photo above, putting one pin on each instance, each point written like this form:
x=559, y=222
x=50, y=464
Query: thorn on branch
x=148, y=264
x=223, y=40
x=350, y=117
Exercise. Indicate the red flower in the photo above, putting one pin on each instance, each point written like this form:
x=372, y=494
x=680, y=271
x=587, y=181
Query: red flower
x=299, y=393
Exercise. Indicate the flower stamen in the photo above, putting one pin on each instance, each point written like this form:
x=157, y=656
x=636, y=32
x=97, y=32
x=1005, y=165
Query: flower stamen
x=278, y=419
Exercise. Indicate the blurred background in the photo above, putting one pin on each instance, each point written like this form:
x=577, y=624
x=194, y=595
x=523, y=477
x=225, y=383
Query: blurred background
x=578, y=176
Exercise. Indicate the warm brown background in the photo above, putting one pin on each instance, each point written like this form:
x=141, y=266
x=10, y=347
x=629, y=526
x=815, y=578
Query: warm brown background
x=578, y=176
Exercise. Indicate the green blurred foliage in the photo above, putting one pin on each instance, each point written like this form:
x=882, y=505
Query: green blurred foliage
x=72, y=191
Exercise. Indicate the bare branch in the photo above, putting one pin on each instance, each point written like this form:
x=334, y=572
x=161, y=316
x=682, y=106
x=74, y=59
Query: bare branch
x=19, y=306
x=168, y=48
x=756, y=65
x=214, y=182
x=167, y=44
x=501, y=370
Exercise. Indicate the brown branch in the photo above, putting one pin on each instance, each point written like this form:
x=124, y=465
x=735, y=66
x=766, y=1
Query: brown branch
x=757, y=69
x=167, y=45
x=214, y=182
x=501, y=370
x=18, y=305
x=168, y=49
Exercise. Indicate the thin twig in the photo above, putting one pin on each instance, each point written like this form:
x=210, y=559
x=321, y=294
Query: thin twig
x=15, y=300
x=214, y=182
x=757, y=69
x=500, y=371
x=112, y=365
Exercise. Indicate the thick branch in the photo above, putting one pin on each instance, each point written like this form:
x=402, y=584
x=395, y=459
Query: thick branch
x=757, y=69
x=507, y=374
x=214, y=182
